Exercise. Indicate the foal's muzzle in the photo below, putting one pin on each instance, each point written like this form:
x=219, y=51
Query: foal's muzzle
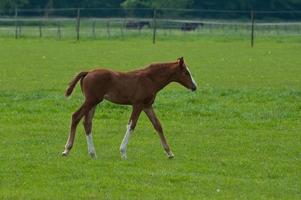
x=193, y=88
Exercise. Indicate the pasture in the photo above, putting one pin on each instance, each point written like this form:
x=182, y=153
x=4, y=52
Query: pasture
x=236, y=137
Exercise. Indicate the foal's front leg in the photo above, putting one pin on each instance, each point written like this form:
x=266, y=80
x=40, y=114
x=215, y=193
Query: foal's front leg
x=157, y=125
x=130, y=128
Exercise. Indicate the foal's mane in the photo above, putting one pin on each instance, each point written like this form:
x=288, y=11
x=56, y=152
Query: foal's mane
x=160, y=65
x=155, y=67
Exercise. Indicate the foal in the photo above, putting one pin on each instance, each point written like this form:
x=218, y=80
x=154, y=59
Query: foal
x=137, y=88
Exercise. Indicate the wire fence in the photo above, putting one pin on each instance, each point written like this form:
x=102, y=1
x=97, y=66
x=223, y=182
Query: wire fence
x=116, y=22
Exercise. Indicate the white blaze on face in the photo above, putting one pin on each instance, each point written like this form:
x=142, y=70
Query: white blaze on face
x=193, y=81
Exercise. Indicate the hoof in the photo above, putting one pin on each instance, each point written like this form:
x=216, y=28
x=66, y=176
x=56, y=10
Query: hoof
x=170, y=155
x=93, y=155
x=65, y=153
x=123, y=153
x=123, y=156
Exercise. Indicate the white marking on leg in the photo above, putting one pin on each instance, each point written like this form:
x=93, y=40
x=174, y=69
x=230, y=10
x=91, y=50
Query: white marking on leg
x=193, y=81
x=65, y=152
x=67, y=147
x=91, y=149
x=169, y=154
x=125, y=140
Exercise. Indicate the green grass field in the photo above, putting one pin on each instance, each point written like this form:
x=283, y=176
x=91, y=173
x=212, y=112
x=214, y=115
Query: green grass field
x=237, y=137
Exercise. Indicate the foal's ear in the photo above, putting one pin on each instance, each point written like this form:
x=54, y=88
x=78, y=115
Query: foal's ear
x=181, y=61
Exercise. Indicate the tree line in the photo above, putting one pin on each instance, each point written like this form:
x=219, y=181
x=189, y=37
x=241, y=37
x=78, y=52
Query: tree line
x=189, y=4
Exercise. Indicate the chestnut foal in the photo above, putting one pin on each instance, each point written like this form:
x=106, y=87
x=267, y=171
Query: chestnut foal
x=137, y=88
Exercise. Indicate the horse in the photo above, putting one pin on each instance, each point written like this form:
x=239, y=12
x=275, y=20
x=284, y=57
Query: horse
x=191, y=26
x=137, y=24
x=137, y=88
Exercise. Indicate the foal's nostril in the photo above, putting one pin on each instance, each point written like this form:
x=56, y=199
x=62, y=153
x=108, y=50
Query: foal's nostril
x=193, y=88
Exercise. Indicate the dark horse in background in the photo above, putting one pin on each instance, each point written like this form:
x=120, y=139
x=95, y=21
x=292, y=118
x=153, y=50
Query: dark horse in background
x=137, y=24
x=137, y=88
x=191, y=26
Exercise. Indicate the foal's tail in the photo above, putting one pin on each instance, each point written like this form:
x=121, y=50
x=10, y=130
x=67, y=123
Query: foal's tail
x=72, y=84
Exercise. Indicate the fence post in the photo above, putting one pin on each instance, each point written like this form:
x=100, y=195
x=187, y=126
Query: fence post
x=154, y=26
x=40, y=22
x=93, y=29
x=59, y=30
x=40, y=29
x=252, y=28
x=108, y=28
x=121, y=28
x=16, y=23
x=19, y=30
x=78, y=23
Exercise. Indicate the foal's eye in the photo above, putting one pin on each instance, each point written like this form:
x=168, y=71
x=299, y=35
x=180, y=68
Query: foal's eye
x=187, y=73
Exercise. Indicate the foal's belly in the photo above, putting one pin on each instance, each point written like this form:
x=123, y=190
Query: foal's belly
x=119, y=95
x=129, y=98
x=127, y=91
x=118, y=98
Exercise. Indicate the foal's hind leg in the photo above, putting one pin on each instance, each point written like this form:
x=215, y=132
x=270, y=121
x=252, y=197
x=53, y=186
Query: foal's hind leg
x=76, y=117
x=88, y=129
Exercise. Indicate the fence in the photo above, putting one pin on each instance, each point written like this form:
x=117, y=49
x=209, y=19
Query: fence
x=116, y=22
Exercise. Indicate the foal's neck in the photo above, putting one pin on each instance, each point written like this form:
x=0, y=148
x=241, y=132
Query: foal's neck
x=161, y=74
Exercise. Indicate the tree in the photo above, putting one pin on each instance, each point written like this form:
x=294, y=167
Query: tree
x=157, y=3
x=9, y=4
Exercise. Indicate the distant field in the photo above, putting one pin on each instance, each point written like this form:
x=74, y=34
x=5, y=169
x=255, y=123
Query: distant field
x=237, y=137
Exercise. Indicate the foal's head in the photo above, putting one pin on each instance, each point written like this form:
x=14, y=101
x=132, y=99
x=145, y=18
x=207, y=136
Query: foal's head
x=183, y=75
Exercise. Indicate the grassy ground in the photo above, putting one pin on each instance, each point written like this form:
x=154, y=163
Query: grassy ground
x=237, y=137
